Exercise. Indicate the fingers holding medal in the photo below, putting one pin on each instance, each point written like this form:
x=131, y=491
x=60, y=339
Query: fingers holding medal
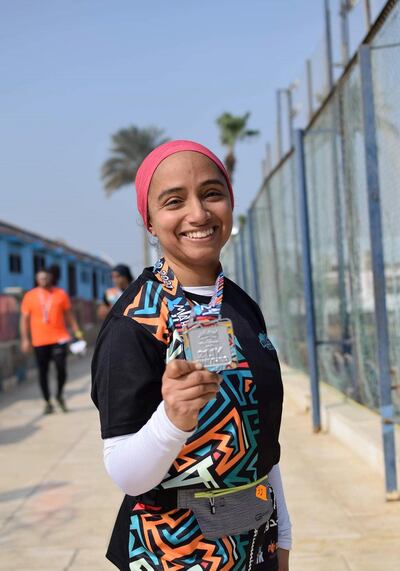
x=186, y=387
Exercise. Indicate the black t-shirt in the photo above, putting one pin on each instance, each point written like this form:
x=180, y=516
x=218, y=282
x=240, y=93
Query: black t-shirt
x=237, y=437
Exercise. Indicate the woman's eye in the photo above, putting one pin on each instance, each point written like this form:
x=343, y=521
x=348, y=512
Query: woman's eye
x=213, y=193
x=173, y=202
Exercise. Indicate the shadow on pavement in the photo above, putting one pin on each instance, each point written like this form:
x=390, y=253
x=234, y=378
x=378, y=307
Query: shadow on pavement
x=18, y=433
x=30, y=490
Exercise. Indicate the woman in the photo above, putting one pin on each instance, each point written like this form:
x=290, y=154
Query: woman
x=121, y=277
x=177, y=435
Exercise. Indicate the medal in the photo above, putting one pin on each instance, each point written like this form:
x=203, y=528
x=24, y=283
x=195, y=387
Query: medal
x=207, y=338
x=212, y=344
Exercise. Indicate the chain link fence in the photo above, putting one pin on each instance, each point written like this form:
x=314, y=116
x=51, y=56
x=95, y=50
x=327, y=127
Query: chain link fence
x=265, y=257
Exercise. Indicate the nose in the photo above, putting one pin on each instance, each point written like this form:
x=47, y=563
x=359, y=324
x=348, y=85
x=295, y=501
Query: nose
x=198, y=214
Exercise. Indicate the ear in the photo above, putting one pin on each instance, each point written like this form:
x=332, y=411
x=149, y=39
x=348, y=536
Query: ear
x=151, y=230
x=150, y=225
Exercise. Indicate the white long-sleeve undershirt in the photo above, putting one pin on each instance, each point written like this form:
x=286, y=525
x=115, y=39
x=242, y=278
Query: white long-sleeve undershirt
x=159, y=442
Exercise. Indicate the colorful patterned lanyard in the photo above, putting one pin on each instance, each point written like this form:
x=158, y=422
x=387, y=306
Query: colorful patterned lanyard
x=46, y=305
x=181, y=312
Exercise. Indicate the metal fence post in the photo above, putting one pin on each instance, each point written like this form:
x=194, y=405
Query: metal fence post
x=310, y=93
x=367, y=14
x=279, y=142
x=245, y=285
x=308, y=283
x=328, y=46
x=378, y=269
x=238, y=274
x=253, y=254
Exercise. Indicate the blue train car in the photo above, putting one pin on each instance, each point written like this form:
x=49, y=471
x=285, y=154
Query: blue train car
x=23, y=253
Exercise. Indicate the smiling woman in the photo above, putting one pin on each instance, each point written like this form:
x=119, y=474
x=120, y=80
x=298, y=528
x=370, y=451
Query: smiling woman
x=190, y=400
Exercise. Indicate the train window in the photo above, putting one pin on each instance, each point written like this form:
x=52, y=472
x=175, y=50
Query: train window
x=39, y=262
x=15, y=263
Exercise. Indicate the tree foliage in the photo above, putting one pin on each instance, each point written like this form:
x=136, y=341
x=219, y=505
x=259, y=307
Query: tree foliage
x=129, y=147
x=233, y=128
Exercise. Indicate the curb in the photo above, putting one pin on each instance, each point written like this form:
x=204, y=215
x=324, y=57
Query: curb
x=353, y=424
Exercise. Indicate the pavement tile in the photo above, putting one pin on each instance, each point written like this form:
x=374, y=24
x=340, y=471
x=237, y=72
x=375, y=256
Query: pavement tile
x=35, y=558
x=317, y=563
x=90, y=559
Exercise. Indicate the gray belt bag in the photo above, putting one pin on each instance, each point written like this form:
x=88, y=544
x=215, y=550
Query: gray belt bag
x=231, y=511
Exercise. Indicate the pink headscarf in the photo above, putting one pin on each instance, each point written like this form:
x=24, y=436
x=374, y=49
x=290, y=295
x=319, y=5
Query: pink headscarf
x=147, y=168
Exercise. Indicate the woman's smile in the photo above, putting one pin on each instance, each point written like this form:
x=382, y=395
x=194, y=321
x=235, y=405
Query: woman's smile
x=203, y=235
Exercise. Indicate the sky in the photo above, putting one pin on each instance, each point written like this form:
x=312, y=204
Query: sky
x=73, y=72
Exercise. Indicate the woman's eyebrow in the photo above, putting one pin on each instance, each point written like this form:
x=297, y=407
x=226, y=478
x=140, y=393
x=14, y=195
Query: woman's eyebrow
x=212, y=181
x=169, y=191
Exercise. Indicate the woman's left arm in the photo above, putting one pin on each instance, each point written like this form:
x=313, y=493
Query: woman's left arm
x=72, y=322
x=283, y=559
x=284, y=523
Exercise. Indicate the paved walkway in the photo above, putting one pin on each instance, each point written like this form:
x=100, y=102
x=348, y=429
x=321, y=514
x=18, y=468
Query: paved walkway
x=57, y=505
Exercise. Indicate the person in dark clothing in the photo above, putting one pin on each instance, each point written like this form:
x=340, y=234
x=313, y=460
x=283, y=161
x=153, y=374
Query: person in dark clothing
x=121, y=277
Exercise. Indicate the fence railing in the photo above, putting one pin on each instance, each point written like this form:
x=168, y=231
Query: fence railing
x=343, y=194
x=9, y=315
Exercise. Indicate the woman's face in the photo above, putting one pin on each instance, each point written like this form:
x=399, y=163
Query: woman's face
x=120, y=282
x=190, y=210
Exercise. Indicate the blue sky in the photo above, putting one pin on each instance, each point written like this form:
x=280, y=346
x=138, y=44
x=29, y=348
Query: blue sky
x=74, y=72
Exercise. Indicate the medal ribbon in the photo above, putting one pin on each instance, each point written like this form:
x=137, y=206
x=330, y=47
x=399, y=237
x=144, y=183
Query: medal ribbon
x=182, y=313
x=46, y=305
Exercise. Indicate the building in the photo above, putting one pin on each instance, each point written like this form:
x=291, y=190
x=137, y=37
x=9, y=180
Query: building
x=23, y=253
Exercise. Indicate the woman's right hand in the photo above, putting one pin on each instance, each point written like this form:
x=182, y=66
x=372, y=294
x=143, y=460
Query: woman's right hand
x=26, y=346
x=186, y=388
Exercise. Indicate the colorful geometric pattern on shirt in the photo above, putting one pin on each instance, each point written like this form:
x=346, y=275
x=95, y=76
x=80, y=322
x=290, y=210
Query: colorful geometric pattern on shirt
x=223, y=450
x=150, y=309
x=172, y=541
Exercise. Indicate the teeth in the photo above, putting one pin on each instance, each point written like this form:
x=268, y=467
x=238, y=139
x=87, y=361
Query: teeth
x=200, y=234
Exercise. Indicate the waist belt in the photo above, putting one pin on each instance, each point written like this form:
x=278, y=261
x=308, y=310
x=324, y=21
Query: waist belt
x=220, y=512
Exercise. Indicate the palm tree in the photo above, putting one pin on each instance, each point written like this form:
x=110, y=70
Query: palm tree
x=129, y=147
x=233, y=129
